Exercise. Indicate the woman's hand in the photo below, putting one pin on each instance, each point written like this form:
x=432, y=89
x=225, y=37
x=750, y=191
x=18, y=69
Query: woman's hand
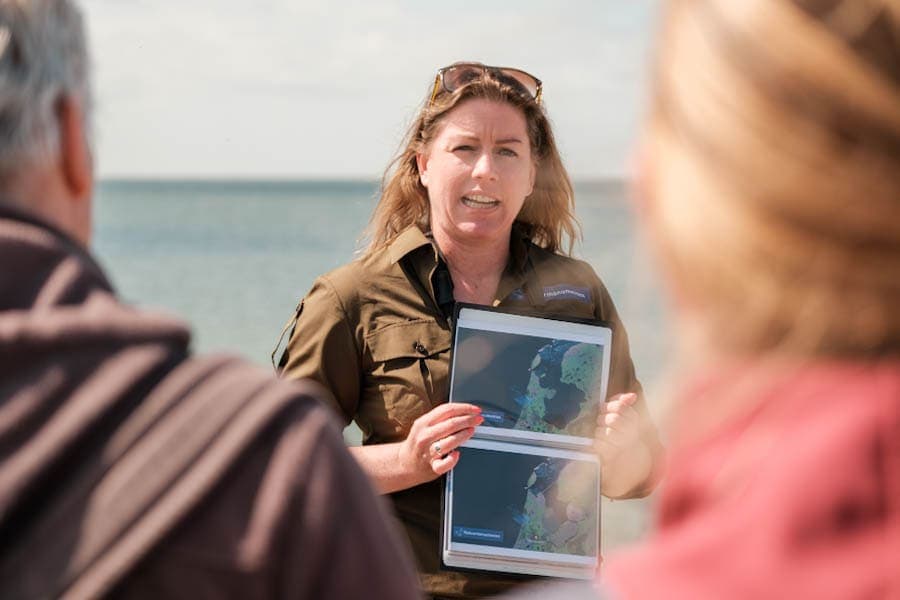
x=430, y=449
x=625, y=458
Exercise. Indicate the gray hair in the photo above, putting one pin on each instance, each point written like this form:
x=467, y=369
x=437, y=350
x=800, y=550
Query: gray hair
x=43, y=57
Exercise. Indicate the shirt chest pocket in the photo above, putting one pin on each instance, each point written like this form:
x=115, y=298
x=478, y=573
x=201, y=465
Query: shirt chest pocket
x=407, y=375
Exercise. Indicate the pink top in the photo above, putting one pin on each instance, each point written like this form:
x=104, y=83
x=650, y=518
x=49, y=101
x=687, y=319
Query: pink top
x=797, y=495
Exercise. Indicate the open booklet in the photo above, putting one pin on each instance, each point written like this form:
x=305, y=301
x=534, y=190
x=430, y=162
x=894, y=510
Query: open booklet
x=525, y=495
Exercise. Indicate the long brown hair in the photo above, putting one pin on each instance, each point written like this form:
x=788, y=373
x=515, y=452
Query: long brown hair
x=548, y=215
x=774, y=138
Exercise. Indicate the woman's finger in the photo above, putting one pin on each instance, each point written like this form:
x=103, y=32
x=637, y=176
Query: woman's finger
x=448, y=410
x=440, y=423
x=619, y=402
x=627, y=414
x=451, y=426
x=619, y=421
x=447, y=444
x=441, y=465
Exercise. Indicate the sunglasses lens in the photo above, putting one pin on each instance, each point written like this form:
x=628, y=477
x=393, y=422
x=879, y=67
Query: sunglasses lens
x=457, y=76
x=519, y=79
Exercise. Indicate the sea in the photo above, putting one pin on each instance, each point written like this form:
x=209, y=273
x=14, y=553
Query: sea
x=234, y=257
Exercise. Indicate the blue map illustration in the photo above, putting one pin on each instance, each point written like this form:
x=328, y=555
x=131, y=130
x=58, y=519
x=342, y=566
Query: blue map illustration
x=526, y=502
x=529, y=383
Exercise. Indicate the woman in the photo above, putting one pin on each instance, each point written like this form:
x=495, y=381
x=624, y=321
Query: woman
x=476, y=209
x=771, y=194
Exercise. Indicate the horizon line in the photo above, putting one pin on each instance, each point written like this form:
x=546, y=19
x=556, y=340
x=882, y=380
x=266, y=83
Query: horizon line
x=299, y=178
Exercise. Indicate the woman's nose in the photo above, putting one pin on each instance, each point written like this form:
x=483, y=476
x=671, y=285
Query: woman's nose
x=484, y=167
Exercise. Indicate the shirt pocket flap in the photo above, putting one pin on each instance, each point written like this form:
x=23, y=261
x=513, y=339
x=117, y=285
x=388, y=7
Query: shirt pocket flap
x=409, y=339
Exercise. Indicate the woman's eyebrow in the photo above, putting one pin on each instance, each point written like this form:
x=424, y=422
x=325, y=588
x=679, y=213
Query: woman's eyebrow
x=462, y=135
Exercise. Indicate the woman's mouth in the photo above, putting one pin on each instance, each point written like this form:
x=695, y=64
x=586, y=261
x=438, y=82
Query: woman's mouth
x=480, y=201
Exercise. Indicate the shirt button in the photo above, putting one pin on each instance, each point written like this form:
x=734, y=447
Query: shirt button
x=420, y=348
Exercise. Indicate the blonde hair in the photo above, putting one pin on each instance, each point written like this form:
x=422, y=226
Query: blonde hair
x=774, y=138
x=548, y=215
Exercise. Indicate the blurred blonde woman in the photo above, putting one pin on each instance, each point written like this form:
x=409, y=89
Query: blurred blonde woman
x=770, y=192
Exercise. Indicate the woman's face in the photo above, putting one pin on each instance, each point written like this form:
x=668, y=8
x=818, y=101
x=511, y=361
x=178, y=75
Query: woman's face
x=478, y=171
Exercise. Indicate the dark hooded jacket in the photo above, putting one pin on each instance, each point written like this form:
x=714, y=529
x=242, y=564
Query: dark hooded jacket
x=129, y=468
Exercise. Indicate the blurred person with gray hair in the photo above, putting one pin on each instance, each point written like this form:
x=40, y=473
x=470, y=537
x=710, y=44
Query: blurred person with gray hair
x=129, y=468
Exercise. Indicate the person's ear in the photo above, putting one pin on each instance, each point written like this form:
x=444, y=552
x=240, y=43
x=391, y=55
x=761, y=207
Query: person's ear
x=422, y=164
x=76, y=161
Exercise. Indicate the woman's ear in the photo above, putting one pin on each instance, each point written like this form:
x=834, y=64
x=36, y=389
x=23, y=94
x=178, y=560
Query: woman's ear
x=422, y=164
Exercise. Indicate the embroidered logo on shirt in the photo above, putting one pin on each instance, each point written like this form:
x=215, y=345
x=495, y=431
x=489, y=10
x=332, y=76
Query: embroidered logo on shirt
x=567, y=292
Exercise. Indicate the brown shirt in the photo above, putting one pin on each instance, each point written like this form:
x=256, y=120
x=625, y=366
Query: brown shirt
x=373, y=333
x=130, y=469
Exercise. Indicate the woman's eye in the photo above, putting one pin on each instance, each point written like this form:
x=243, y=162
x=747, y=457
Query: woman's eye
x=508, y=152
x=464, y=148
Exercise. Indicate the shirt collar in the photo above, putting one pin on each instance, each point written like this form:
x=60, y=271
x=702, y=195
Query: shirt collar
x=412, y=238
x=408, y=240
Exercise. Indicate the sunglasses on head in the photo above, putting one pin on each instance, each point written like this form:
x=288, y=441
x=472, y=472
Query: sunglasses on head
x=459, y=75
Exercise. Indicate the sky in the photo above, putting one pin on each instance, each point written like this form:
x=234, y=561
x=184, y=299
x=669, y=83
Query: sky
x=301, y=89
